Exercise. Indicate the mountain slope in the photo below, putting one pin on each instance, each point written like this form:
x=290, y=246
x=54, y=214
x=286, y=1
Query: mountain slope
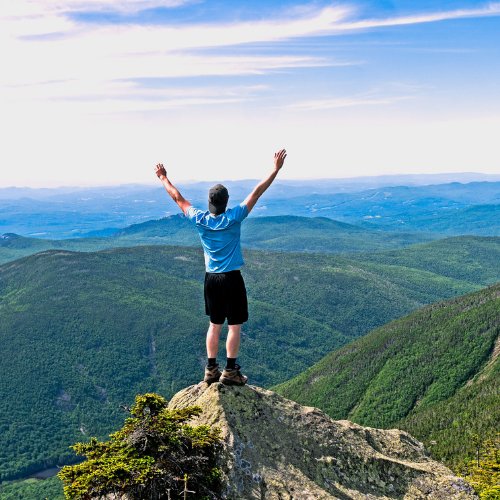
x=80, y=332
x=14, y=246
x=430, y=371
x=456, y=258
x=450, y=426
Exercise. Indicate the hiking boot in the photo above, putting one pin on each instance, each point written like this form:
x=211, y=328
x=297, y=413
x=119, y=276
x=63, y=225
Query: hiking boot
x=212, y=374
x=233, y=376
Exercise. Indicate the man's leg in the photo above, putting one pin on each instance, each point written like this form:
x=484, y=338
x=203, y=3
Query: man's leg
x=231, y=374
x=213, y=335
x=212, y=372
x=232, y=344
x=233, y=341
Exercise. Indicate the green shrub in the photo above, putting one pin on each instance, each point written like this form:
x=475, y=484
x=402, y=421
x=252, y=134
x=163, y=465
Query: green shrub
x=482, y=471
x=155, y=455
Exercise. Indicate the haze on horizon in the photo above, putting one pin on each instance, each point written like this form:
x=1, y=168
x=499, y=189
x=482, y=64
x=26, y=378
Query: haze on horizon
x=96, y=92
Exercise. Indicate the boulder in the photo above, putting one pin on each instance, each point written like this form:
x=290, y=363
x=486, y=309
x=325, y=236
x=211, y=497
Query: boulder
x=275, y=448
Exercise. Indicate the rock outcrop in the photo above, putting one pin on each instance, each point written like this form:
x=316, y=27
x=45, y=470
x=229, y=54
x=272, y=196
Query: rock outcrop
x=276, y=449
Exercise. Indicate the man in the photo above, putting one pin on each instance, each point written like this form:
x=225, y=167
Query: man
x=225, y=293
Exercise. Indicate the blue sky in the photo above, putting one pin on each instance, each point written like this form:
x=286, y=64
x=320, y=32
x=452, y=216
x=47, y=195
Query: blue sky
x=98, y=91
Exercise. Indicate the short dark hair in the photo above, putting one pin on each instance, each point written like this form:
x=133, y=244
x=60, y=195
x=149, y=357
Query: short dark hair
x=217, y=199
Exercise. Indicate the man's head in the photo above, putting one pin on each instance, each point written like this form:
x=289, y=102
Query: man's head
x=217, y=199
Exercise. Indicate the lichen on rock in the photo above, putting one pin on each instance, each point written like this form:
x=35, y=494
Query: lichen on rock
x=277, y=449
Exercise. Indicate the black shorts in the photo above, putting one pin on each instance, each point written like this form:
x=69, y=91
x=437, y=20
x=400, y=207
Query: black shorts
x=226, y=297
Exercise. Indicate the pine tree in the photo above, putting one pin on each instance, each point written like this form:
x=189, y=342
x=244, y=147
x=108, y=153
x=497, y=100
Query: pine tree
x=153, y=456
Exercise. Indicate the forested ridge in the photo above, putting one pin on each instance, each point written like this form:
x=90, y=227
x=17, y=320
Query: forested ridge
x=284, y=233
x=435, y=373
x=456, y=258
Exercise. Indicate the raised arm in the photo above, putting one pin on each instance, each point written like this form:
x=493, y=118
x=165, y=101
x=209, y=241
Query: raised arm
x=171, y=189
x=259, y=189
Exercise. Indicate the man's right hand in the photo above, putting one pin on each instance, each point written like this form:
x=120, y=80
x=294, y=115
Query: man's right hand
x=251, y=199
x=160, y=170
x=279, y=158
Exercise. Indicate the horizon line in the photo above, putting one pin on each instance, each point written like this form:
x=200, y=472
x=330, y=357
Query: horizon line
x=249, y=179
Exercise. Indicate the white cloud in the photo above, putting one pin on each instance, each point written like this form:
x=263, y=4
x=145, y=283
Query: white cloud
x=345, y=102
x=34, y=15
x=107, y=97
x=491, y=9
x=99, y=53
x=70, y=65
x=123, y=6
x=298, y=22
x=32, y=8
x=95, y=54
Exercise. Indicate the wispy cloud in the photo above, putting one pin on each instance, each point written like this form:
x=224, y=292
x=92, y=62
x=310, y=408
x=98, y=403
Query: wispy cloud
x=31, y=8
x=118, y=52
x=128, y=6
x=491, y=9
x=345, y=102
x=82, y=73
x=177, y=37
x=95, y=56
x=298, y=22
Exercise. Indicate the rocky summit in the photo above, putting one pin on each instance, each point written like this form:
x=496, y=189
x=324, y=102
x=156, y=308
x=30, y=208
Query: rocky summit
x=275, y=448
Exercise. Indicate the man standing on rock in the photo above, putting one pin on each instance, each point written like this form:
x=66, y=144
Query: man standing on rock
x=225, y=293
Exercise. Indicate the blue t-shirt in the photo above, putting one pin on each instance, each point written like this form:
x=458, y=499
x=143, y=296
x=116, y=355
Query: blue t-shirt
x=220, y=237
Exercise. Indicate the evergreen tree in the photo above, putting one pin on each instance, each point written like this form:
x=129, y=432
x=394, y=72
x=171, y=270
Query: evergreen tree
x=155, y=455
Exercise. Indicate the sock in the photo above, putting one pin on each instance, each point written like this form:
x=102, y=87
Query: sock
x=212, y=362
x=231, y=363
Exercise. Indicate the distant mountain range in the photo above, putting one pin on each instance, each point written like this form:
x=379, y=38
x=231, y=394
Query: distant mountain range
x=435, y=373
x=84, y=332
x=449, y=209
x=240, y=187
x=283, y=233
x=446, y=209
